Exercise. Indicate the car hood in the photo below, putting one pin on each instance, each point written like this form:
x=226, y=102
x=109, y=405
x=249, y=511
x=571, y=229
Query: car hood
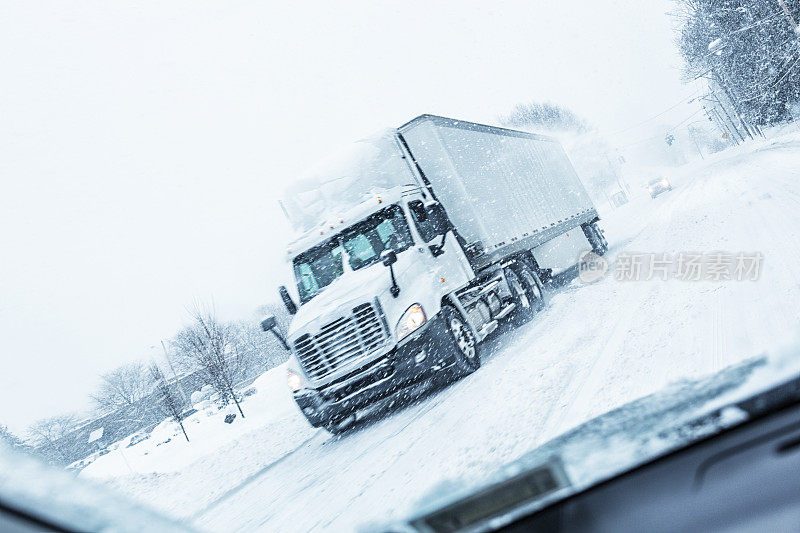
x=615, y=442
x=63, y=502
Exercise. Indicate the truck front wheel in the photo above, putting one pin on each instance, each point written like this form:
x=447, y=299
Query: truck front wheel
x=336, y=427
x=462, y=342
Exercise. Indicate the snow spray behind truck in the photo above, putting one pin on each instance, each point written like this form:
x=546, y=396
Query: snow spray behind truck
x=415, y=245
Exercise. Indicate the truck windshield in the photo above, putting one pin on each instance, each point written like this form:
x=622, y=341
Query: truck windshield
x=320, y=266
x=386, y=229
x=317, y=268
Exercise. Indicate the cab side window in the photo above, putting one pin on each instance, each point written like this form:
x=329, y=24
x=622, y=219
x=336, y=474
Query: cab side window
x=422, y=220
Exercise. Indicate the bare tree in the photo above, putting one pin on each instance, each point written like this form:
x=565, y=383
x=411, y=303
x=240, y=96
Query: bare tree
x=215, y=347
x=11, y=440
x=166, y=398
x=49, y=435
x=125, y=386
x=594, y=159
x=544, y=115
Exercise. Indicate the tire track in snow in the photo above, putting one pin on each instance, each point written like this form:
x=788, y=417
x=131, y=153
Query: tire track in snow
x=334, y=468
x=596, y=371
x=233, y=491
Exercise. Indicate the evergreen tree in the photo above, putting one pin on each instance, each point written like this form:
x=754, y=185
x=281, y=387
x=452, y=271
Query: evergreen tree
x=750, y=51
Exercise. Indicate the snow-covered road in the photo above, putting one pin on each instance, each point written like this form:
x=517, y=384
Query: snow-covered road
x=595, y=347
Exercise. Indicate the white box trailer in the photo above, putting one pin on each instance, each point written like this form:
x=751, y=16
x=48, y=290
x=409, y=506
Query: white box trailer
x=416, y=244
x=504, y=190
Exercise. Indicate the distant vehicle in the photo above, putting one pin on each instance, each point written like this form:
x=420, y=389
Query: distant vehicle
x=658, y=186
x=417, y=244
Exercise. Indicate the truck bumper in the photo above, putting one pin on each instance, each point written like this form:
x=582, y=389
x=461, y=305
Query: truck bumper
x=415, y=359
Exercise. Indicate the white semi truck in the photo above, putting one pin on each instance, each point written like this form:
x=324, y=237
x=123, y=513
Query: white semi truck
x=415, y=245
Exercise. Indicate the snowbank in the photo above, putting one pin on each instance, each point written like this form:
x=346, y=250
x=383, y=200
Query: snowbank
x=158, y=469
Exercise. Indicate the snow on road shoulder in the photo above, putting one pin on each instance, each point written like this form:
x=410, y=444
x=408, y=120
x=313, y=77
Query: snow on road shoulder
x=159, y=470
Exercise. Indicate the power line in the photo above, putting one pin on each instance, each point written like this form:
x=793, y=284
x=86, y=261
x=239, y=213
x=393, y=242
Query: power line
x=684, y=121
x=685, y=100
x=670, y=130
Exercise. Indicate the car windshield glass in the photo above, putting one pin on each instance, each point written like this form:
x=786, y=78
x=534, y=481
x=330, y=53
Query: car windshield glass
x=385, y=230
x=317, y=268
x=248, y=280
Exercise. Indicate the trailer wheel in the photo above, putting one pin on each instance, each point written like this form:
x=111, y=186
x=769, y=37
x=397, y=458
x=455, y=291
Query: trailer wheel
x=526, y=292
x=533, y=277
x=462, y=342
x=596, y=238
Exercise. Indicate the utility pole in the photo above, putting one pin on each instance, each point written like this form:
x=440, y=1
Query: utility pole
x=619, y=179
x=713, y=93
x=725, y=126
x=716, y=118
x=728, y=116
x=696, y=145
x=733, y=101
x=731, y=132
x=730, y=120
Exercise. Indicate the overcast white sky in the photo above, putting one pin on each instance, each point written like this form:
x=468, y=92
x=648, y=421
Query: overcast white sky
x=143, y=144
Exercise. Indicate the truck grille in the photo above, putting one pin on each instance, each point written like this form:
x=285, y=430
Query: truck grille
x=342, y=341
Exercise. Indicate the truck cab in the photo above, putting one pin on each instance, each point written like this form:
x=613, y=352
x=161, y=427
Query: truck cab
x=367, y=318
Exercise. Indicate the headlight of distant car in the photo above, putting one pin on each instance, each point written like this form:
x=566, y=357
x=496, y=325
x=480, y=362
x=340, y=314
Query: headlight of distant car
x=412, y=319
x=294, y=381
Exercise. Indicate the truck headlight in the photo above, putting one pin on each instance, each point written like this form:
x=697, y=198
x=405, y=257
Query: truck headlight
x=294, y=381
x=412, y=319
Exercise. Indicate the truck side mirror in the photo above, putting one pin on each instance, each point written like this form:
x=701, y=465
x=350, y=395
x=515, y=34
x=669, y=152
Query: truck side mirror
x=287, y=300
x=440, y=224
x=388, y=257
x=268, y=323
x=438, y=218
